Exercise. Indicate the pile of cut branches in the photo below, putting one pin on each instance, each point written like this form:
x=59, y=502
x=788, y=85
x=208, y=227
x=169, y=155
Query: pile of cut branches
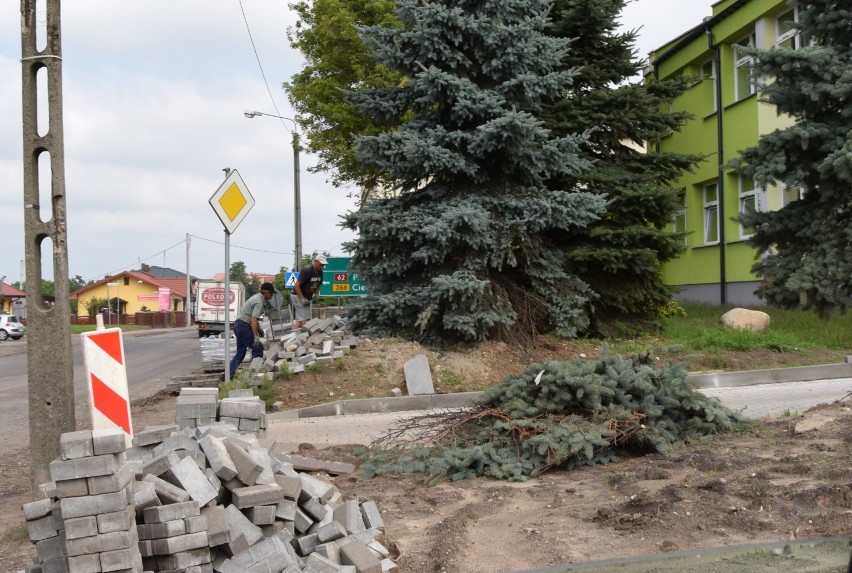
x=553, y=415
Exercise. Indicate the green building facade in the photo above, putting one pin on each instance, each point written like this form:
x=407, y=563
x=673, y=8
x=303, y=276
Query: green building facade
x=727, y=117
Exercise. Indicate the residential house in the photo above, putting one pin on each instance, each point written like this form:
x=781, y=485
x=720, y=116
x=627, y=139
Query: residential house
x=727, y=117
x=130, y=292
x=9, y=295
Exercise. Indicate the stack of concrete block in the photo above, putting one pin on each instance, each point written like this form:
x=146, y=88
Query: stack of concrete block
x=196, y=407
x=174, y=537
x=319, y=341
x=92, y=512
x=247, y=413
x=206, y=499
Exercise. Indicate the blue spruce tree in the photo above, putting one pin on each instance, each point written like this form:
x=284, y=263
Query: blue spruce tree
x=805, y=248
x=464, y=250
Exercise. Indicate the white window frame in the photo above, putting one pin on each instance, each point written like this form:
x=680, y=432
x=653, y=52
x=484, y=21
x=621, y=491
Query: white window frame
x=680, y=215
x=795, y=34
x=711, y=212
x=744, y=62
x=785, y=188
x=750, y=195
x=712, y=77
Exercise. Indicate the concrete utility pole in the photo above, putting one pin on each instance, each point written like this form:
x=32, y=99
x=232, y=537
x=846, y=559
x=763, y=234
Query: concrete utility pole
x=49, y=366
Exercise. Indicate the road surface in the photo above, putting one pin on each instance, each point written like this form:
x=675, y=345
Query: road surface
x=153, y=357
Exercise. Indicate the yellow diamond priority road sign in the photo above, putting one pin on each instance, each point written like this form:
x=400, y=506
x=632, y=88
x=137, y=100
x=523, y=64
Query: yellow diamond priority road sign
x=232, y=201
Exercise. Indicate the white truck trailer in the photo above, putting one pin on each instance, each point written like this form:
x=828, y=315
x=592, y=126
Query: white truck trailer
x=210, y=306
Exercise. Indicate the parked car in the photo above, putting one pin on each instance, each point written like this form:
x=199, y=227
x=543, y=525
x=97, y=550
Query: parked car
x=10, y=327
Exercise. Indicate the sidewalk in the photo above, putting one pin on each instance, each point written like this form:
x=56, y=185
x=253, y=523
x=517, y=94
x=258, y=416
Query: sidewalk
x=361, y=421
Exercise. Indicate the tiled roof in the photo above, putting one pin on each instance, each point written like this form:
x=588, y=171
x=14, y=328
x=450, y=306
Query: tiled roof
x=10, y=291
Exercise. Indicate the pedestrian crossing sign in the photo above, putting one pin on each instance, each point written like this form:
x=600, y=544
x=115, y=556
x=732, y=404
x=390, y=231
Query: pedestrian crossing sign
x=290, y=279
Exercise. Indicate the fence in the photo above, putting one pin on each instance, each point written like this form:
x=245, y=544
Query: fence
x=152, y=319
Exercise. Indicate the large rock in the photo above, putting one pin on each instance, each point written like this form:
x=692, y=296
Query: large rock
x=745, y=319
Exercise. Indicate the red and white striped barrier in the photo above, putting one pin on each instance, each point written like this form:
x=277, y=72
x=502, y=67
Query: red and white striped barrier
x=106, y=375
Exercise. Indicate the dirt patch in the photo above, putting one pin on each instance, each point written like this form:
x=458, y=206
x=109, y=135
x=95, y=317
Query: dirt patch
x=767, y=483
x=764, y=484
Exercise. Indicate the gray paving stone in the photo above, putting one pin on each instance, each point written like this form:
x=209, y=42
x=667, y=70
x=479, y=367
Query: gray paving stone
x=241, y=408
x=37, y=509
x=41, y=528
x=217, y=525
x=51, y=548
x=76, y=445
x=180, y=543
x=109, y=441
x=144, y=496
x=264, y=494
x=348, y=514
x=100, y=543
x=261, y=514
x=371, y=515
x=116, y=520
x=85, y=563
x=119, y=560
x=85, y=467
x=94, y=504
x=154, y=434
x=78, y=527
x=359, y=555
x=166, y=491
x=247, y=469
x=171, y=512
x=240, y=526
x=111, y=483
x=193, y=481
x=418, y=377
x=160, y=530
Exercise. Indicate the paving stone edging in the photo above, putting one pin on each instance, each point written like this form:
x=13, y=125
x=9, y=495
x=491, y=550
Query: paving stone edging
x=459, y=400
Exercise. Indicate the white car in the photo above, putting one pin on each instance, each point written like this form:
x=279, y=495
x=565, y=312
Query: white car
x=10, y=327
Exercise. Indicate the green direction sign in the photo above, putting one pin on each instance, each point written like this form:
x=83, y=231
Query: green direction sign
x=338, y=280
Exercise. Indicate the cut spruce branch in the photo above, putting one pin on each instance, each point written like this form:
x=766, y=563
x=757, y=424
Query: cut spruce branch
x=553, y=415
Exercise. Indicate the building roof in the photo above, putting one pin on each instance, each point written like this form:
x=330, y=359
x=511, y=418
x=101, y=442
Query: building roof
x=10, y=291
x=162, y=272
x=261, y=277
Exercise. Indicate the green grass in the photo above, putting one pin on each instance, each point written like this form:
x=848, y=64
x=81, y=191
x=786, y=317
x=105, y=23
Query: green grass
x=78, y=328
x=266, y=391
x=697, y=336
x=788, y=330
x=18, y=533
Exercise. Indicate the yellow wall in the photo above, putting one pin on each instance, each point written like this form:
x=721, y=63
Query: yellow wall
x=133, y=296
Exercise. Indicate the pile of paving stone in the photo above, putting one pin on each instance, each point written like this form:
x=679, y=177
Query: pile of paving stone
x=196, y=499
x=317, y=342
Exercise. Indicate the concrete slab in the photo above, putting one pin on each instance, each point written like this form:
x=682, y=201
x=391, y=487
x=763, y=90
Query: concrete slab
x=418, y=377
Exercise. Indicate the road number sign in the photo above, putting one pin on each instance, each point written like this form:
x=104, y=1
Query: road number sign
x=338, y=280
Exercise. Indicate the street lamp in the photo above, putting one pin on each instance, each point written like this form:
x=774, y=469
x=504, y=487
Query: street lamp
x=297, y=200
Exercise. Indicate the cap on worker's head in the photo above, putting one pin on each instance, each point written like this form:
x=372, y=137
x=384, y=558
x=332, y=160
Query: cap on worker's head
x=321, y=260
x=268, y=287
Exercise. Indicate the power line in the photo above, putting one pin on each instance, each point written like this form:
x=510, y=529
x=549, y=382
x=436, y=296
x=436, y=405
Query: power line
x=260, y=66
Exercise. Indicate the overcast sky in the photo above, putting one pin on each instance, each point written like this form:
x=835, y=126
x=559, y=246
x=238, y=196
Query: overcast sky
x=154, y=94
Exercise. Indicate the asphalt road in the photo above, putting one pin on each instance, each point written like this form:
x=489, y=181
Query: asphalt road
x=153, y=356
